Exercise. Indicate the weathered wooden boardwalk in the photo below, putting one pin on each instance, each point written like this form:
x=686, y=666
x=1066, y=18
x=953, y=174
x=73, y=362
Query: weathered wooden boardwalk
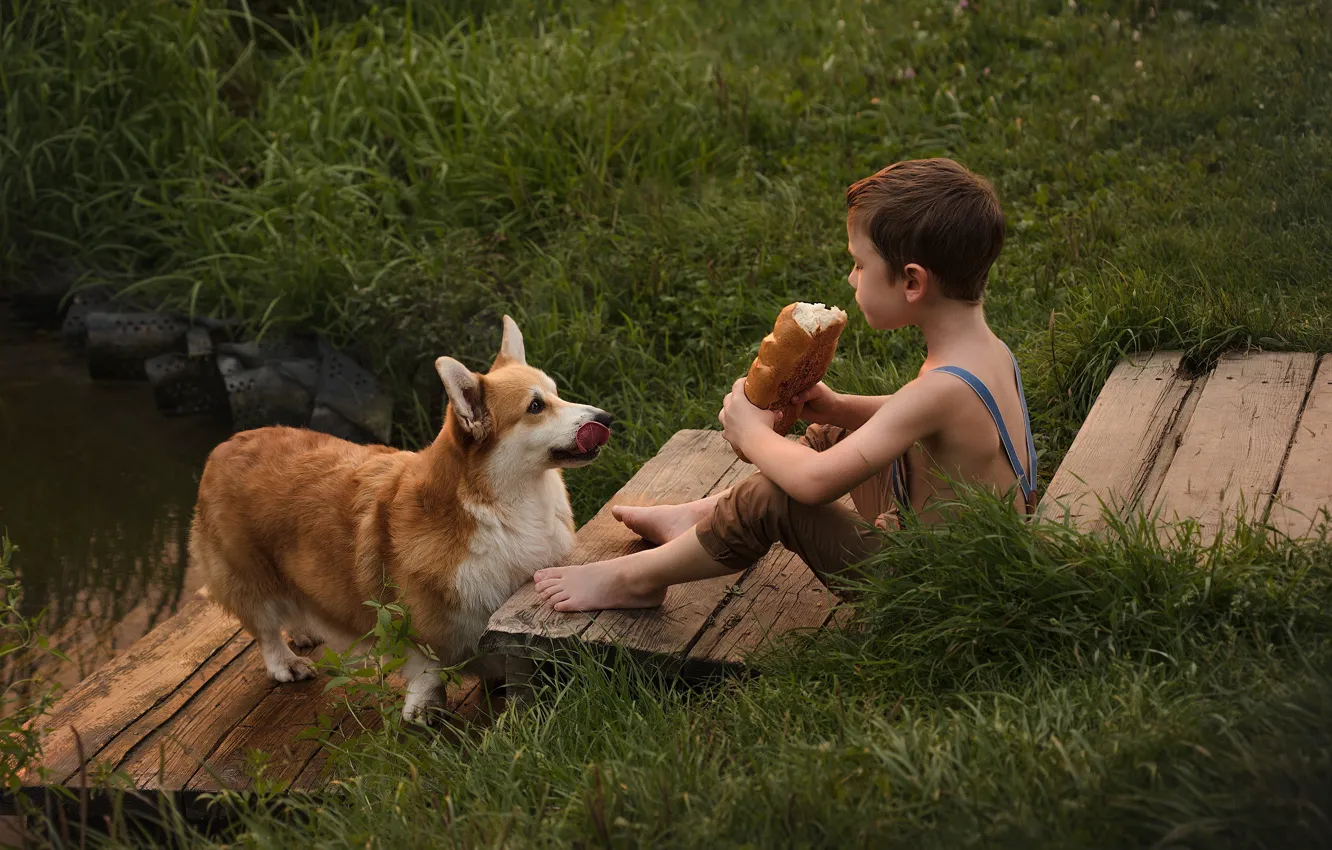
x=1159, y=440
x=181, y=710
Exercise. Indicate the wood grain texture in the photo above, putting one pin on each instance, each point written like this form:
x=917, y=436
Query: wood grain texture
x=1111, y=457
x=780, y=595
x=1235, y=443
x=686, y=468
x=169, y=758
x=116, y=696
x=165, y=712
x=272, y=727
x=1305, y=489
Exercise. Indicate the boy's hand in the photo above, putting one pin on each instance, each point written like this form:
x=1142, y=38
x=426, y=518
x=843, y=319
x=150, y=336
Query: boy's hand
x=740, y=417
x=821, y=404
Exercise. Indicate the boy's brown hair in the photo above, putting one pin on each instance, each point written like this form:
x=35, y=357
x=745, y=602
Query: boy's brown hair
x=936, y=213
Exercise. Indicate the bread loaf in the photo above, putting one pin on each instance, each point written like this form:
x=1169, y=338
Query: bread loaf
x=793, y=358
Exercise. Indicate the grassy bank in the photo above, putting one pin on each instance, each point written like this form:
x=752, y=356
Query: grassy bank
x=643, y=187
x=1013, y=688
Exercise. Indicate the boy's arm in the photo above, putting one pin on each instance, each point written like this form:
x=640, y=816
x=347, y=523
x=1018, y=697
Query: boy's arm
x=914, y=412
x=826, y=406
x=855, y=410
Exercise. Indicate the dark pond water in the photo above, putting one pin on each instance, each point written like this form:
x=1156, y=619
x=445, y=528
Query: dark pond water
x=96, y=490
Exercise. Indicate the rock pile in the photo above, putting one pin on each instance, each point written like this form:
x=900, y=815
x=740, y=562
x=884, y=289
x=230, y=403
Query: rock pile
x=198, y=368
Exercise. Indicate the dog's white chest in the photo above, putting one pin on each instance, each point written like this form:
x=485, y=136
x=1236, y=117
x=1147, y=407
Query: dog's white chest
x=512, y=541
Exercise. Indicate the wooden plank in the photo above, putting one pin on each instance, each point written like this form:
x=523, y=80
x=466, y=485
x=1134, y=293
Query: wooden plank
x=1174, y=437
x=273, y=726
x=686, y=468
x=1235, y=442
x=1112, y=454
x=315, y=774
x=120, y=693
x=1305, y=489
x=170, y=757
x=164, y=712
x=673, y=627
x=778, y=596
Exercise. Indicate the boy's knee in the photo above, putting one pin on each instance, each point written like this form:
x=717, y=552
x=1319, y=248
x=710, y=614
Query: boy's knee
x=763, y=499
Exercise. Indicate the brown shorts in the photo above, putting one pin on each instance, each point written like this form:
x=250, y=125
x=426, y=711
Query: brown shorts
x=756, y=513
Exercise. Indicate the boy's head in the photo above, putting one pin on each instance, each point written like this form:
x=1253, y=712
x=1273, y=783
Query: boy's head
x=929, y=225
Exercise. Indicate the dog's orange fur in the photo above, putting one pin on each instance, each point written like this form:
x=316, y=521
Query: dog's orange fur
x=317, y=525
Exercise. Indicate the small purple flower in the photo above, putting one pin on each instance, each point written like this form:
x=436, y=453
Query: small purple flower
x=909, y=73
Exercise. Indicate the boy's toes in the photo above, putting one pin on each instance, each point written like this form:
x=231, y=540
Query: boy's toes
x=562, y=602
x=544, y=575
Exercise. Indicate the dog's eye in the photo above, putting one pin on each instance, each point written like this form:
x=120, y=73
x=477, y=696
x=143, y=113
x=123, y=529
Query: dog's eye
x=536, y=406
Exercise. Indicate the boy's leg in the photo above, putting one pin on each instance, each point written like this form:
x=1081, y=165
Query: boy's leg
x=723, y=533
x=631, y=581
x=757, y=513
x=742, y=527
x=661, y=523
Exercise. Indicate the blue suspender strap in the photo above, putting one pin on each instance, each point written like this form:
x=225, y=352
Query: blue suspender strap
x=897, y=476
x=1026, y=482
x=1026, y=424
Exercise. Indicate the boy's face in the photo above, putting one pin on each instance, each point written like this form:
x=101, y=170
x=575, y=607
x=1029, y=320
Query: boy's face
x=879, y=298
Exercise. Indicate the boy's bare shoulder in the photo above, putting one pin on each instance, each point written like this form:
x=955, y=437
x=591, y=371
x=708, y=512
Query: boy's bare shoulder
x=922, y=408
x=931, y=394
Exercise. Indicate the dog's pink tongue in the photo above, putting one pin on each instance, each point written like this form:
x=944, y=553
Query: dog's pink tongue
x=591, y=436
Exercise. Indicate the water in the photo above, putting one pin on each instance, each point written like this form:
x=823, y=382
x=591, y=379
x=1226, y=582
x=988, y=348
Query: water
x=96, y=489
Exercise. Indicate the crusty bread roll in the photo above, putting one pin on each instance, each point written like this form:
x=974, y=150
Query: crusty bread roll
x=793, y=358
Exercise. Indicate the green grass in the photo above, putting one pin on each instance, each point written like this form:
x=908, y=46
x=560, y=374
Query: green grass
x=643, y=186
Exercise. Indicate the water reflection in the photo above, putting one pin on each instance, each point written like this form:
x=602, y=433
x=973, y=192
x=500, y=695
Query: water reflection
x=97, y=489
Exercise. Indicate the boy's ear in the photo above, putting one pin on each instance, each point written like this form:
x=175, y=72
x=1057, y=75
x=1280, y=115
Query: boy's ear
x=466, y=396
x=511, y=345
x=918, y=282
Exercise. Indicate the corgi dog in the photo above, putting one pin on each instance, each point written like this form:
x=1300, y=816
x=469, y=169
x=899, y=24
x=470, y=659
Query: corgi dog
x=296, y=530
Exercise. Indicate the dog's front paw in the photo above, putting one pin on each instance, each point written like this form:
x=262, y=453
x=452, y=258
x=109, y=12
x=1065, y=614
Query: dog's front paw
x=293, y=669
x=426, y=696
x=420, y=710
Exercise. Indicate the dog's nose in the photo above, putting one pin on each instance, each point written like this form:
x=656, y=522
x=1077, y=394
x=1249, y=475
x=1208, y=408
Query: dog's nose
x=604, y=418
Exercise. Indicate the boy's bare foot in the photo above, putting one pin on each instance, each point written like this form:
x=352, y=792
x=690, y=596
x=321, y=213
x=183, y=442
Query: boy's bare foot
x=660, y=523
x=593, y=587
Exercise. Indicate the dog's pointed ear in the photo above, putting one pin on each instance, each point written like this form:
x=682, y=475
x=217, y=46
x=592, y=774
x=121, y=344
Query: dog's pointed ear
x=466, y=397
x=511, y=345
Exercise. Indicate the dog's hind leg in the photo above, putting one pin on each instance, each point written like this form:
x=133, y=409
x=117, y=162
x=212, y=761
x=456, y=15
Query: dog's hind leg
x=283, y=664
x=305, y=630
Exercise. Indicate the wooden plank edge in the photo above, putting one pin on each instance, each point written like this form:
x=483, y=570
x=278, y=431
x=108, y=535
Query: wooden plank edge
x=1322, y=368
x=1171, y=439
x=1126, y=370
x=1264, y=499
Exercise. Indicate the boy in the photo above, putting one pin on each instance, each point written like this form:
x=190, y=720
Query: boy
x=923, y=235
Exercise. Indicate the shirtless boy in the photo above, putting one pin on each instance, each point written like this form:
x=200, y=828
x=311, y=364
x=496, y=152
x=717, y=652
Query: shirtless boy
x=923, y=235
